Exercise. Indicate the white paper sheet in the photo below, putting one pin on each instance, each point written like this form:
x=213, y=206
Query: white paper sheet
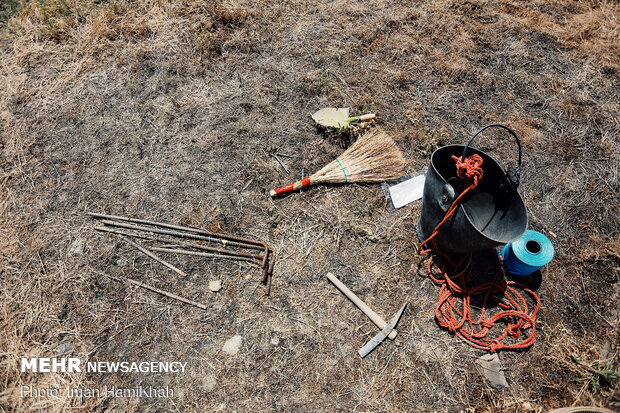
x=407, y=191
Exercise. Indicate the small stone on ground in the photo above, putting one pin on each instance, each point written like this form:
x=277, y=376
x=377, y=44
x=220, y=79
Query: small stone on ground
x=232, y=345
x=209, y=382
x=76, y=247
x=215, y=286
x=64, y=347
x=491, y=369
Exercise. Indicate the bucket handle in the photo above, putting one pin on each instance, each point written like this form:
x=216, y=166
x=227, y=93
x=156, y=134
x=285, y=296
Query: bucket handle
x=510, y=182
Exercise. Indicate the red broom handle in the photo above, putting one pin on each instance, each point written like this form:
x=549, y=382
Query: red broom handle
x=292, y=187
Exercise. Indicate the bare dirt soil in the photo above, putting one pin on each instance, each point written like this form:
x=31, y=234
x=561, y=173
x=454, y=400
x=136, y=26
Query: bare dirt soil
x=173, y=110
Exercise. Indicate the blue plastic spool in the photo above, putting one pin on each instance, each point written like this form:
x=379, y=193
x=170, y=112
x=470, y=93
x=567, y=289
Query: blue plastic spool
x=528, y=254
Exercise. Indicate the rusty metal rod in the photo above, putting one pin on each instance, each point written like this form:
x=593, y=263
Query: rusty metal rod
x=270, y=272
x=204, y=254
x=157, y=290
x=197, y=234
x=211, y=237
x=179, y=227
x=227, y=237
x=180, y=243
x=267, y=269
x=153, y=256
x=179, y=234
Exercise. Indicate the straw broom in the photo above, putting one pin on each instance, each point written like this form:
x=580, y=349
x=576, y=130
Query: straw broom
x=372, y=158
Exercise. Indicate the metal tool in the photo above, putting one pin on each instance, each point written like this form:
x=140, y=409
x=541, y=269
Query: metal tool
x=387, y=329
x=378, y=339
x=227, y=246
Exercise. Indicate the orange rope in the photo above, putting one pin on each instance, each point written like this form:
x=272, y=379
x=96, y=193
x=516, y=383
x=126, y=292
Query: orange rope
x=454, y=275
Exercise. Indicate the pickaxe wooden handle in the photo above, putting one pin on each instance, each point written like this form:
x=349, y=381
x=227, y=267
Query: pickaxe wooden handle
x=374, y=317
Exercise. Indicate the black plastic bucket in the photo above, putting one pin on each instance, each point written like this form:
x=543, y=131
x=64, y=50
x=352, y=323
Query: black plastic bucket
x=491, y=215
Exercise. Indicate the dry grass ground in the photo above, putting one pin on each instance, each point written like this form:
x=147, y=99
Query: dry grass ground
x=172, y=110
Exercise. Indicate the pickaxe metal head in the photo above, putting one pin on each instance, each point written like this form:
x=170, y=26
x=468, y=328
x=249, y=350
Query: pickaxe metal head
x=378, y=339
x=387, y=328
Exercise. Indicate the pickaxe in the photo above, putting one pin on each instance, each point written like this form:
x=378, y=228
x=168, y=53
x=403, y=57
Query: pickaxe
x=387, y=329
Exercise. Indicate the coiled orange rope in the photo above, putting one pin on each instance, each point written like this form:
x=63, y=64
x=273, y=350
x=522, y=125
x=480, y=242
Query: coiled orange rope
x=454, y=274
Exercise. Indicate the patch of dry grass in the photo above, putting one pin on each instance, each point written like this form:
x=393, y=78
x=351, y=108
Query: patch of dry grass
x=172, y=110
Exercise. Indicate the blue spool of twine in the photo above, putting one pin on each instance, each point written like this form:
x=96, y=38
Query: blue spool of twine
x=525, y=256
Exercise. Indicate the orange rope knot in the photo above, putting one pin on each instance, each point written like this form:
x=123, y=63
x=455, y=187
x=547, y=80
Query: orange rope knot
x=469, y=169
x=453, y=311
x=487, y=323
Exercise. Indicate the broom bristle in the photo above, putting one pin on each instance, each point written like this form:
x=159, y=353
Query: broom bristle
x=372, y=158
